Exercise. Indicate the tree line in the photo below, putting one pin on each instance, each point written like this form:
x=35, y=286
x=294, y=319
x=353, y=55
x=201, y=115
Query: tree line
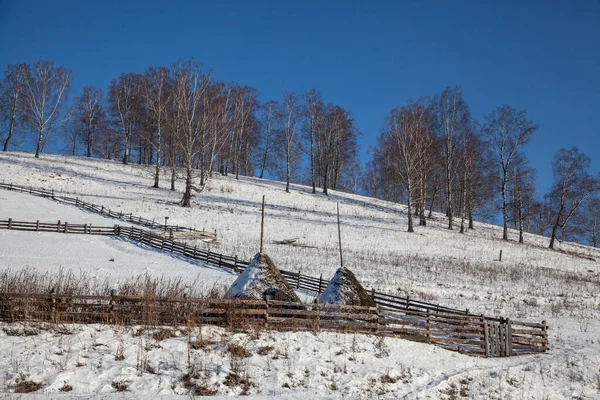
x=431, y=153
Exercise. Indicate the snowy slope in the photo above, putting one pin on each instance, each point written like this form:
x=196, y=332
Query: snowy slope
x=434, y=264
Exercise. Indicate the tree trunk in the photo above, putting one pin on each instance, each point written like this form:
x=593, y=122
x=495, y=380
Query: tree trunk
x=38, y=148
x=11, y=128
x=187, y=195
x=504, y=208
x=409, y=211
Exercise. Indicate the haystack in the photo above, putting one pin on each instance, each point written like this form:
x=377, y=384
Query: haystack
x=345, y=289
x=262, y=280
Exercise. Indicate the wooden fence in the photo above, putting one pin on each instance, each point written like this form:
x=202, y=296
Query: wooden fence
x=296, y=279
x=100, y=209
x=152, y=239
x=471, y=335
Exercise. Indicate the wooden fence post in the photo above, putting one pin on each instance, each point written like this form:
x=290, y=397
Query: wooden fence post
x=298, y=280
x=235, y=264
x=10, y=223
x=545, y=331
x=52, y=194
x=220, y=259
x=267, y=314
x=66, y=227
x=37, y=225
x=508, y=352
x=320, y=282
x=486, y=337
x=427, y=327
x=111, y=307
x=58, y=226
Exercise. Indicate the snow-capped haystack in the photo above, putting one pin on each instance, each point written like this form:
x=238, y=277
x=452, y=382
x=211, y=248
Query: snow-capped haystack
x=345, y=289
x=261, y=279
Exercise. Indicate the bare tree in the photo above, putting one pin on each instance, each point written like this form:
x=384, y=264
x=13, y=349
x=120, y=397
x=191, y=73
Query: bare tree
x=452, y=120
x=190, y=86
x=522, y=190
x=404, y=140
x=593, y=217
x=157, y=89
x=573, y=184
x=46, y=91
x=269, y=124
x=507, y=131
x=12, y=97
x=123, y=97
x=315, y=122
x=88, y=116
x=290, y=114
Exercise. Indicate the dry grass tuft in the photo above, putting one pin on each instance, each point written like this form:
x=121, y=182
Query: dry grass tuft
x=28, y=386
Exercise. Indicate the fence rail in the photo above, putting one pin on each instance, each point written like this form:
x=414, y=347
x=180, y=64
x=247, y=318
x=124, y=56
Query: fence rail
x=466, y=334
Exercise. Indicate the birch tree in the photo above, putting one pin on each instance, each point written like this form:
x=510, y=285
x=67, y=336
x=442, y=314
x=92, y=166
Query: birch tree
x=12, y=98
x=573, y=184
x=404, y=140
x=290, y=114
x=452, y=120
x=124, y=97
x=157, y=90
x=46, y=89
x=88, y=116
x=269, y=124
x=190, y=86
x=507, y=130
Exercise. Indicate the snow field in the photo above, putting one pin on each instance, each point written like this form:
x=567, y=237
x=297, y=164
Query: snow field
x=434, y=264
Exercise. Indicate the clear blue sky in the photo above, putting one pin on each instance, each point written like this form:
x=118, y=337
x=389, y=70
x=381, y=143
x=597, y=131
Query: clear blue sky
x=367, y=56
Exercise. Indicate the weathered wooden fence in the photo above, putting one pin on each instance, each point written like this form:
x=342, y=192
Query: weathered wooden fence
x=472, y=335
x=157, y=241
x=100, y=209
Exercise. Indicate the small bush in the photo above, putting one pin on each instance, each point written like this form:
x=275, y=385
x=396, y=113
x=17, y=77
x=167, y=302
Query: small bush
x=237, y=350
x=263, y=351
x=387, y=378
x=200, y=390
x=28, y=386
x=66, y=388
x=163, y=334
x=120, y=385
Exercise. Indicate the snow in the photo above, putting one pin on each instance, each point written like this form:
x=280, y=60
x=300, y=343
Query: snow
x=461, y=271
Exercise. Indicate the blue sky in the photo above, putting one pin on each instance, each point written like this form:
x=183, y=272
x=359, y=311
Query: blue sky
x=367, y=56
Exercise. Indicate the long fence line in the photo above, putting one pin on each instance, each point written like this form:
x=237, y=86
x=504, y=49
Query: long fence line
x=298, y=280
x=98, y=209
x=468, y=334
x=157, y=241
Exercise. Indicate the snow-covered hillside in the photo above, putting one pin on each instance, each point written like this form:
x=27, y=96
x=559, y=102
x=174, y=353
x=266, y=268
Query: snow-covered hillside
x=434, y=264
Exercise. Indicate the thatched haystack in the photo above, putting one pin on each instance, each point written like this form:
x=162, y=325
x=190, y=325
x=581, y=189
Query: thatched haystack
x=262, y=280
x=345, y=289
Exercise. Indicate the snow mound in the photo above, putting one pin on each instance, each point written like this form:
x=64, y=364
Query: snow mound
x=345, y=289
x=262, y=279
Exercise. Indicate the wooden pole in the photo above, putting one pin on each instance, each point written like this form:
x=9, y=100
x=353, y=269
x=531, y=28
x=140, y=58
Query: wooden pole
x=262, y=224
x=340, y=235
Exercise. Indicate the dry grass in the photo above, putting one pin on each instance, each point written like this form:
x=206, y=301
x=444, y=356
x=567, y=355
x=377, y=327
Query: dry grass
x=28, y=386
x=30, y=280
